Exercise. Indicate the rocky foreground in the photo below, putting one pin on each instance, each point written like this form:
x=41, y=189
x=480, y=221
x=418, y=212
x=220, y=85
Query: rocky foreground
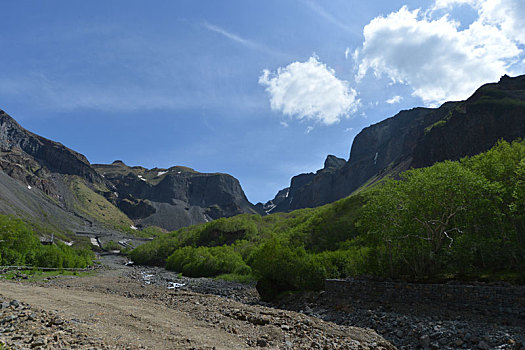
x=406, y=326
x=116, y=310
x=140, y=307
x=26, y=327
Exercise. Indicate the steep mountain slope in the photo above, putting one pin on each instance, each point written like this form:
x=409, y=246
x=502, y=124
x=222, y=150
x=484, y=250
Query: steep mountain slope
x=283, y=200
x=37, y=182
x=419, y=137
x=56, y=188
x=175, y=197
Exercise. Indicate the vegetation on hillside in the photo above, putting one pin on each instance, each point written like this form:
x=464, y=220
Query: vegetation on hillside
x=20, y=246
x=95, y=206
x=462, y=219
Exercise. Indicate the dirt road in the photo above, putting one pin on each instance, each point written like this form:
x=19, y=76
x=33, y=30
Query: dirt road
x=121, y=312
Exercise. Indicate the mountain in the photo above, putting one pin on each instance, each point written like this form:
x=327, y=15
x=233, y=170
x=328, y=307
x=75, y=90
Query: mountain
x=283, y=200
x=175, y=197
x=57, y=189
x=416, y=138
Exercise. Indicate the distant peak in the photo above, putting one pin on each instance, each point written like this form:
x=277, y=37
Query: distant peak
x=333, y=162
x=118, y=162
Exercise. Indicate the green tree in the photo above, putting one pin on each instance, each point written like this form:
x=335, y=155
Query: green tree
x=413, y=220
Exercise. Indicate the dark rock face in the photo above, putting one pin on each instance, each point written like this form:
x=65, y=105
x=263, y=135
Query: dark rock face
x=49, y=154
x=416, y=138
x=34, y=181
x=292, y=197
x=168, y=198
x=176, y=197
x=495, y=111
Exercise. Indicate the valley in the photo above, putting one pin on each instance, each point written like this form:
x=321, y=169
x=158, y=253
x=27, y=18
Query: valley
x=431, y=195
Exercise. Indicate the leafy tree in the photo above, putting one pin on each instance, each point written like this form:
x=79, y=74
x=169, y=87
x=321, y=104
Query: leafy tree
x=414, y=219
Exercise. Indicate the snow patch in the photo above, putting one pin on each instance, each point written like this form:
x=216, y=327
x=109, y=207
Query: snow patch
x=133, y=227
x=272, y=207
x=28, y=187
x=160, y=173
x=140, y=177
x=94, y=242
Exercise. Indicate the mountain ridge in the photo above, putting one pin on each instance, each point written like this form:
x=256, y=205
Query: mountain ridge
x=52, y=186
x=416, y=138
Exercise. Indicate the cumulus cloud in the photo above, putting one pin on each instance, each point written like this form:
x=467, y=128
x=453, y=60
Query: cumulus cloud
x=437, y=59
x=309, y=91
x=509, y=15
x=395, y=99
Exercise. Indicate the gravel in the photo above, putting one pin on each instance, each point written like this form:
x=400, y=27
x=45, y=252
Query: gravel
x=24, y=327
x=405, y=326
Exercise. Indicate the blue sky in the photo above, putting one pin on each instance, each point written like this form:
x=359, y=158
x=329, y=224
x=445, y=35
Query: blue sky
x=262, y=90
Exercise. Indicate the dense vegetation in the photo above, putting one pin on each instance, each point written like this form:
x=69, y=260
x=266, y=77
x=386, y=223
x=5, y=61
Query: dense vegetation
x=462, y=219
x=19, y=245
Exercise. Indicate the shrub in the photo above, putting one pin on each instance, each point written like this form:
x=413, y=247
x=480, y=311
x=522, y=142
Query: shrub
x=207, y=261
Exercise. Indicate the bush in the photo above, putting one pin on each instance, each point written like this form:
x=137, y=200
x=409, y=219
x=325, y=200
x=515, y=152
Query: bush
x=207, y=261
x=19, y=245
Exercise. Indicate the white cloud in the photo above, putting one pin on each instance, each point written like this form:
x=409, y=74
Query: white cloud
x=347, y=52
x=395, y=99
x=447, y=4
x=309, y=91
x=509, y=15
x=434, y=57
x=349, y=129
x=238, y=39
x=309, y=129
x=284, y=124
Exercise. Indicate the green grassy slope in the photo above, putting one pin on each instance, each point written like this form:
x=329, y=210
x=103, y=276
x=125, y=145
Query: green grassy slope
x=95, y=206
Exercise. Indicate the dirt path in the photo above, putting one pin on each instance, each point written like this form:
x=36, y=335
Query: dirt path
x=121, y=321
x=124, y=313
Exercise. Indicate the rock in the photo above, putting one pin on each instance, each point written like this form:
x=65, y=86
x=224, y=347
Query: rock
x=38, y=342
x=424, y=341
x=483, y=346
x=176, y=198
x=14, y=303
x=8, y=319
x=261, y=342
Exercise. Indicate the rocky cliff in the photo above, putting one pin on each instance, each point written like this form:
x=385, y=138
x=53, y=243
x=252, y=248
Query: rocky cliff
x=175, y=197
x=416, y=138
x=55, y=187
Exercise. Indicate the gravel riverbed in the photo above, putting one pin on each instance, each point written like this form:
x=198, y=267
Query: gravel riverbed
x=406, y=326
